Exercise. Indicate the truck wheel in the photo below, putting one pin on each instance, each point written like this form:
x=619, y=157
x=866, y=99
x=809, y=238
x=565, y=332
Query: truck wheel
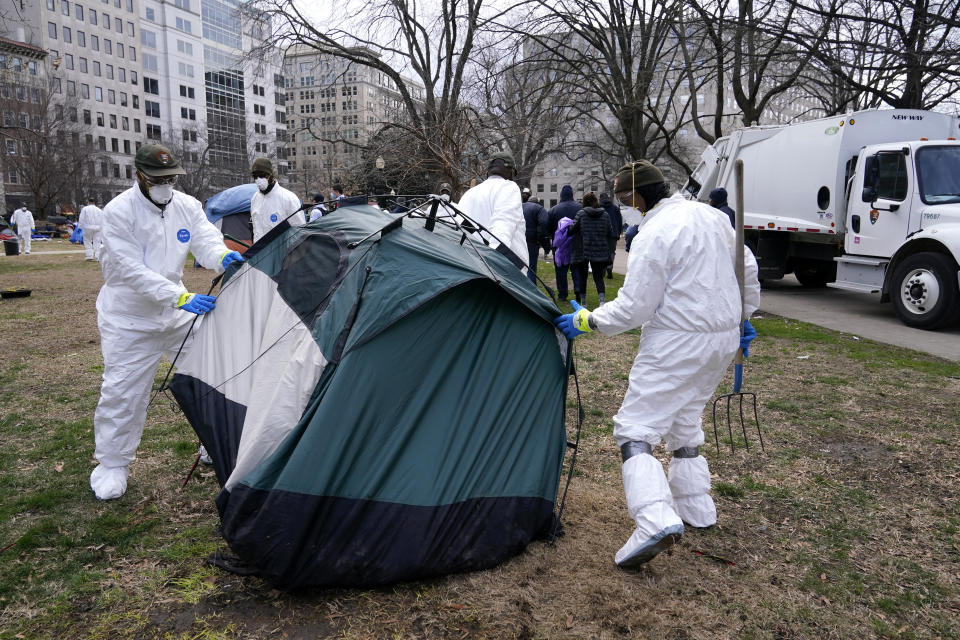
x=815, y=273
x=925, y=292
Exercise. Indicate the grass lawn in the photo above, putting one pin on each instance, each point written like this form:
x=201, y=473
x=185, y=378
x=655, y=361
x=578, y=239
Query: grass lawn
x=848, y=526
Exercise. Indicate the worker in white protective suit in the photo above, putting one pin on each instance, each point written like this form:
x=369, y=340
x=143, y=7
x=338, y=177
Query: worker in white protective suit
x=143, y=310
x=91, y=220
x=681, y=287
x=22, y=219
x=271, y=204
x=496, y=205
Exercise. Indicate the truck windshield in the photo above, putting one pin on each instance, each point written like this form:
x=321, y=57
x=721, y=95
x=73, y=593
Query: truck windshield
x=938, y=171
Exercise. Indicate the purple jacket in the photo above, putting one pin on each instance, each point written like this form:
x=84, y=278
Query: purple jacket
x=562, y=243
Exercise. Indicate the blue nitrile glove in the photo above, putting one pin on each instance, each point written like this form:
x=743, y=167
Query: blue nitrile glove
x=230, y=256
x=749, y=333
x=196, y=303
x=573, y=324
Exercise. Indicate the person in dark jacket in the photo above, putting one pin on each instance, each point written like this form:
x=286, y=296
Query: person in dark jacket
x=591, y=233
x=400, y=206
x=616, y=222
x=718, y=200
x=566, y=208
x=546, y=239
x=533, y=213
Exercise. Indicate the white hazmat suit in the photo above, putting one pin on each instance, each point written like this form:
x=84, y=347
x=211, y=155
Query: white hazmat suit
x=144, y=249
x=267, y=210
x=91, y=221
x=22, y=219
x=681, y=287
x=495, y=203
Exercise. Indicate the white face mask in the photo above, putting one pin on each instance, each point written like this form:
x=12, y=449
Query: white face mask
x=161, y=193
x=262, y=183
x=445, y=197
x=332, y=197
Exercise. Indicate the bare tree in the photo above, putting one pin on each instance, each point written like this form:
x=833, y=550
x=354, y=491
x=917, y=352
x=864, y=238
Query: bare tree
x=192, y=149
x=422, y=50
x=753, y=51
x=902, y=53
x=523, y=107
x=46, y=145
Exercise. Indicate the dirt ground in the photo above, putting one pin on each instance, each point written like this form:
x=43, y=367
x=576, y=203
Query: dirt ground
x=846, y=526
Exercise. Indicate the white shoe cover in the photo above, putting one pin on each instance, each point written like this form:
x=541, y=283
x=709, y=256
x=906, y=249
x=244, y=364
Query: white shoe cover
x=109, y=483
x=204, y=456
x=690, y=485
x=649, y=504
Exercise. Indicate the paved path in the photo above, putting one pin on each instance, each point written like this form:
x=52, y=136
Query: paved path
x=860, y=314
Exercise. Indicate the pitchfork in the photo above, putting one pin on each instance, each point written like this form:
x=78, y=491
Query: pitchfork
x=738, y=397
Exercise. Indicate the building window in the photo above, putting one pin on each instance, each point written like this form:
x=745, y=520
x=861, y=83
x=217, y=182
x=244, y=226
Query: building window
x=126, y=143
x=96, y=68
x=151, y=16
x=65, y=7
x=148, y=39
x=98, y=94
x=81, y=38
x=121, y=74
x=83, y=64
x=152, y=109
x=78, y=12
x=68, y=61
x=109, y=70
x=118, y=25
x=150, y=63
x=114, y=145
x=99, y=118
x=93, y=16
x=71, y=88
x=52, y=30
x=130, y=31
x=184, y=47
x=108, y=46
x=136, y=127
x=86, y=116
x=123, y=98
x=153, y=131
x=111, y=96
x=51, y=5
x=184, y=25
x=95, y=43
x=125, y=125
x=85, y=91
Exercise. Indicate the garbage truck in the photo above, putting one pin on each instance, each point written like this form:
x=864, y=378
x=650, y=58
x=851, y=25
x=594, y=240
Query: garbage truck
x=866, y=202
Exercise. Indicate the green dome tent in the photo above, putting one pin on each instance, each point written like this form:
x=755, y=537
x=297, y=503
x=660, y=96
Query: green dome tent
x=383, y=401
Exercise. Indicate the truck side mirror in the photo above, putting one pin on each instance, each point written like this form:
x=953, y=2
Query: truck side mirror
x=869, y=194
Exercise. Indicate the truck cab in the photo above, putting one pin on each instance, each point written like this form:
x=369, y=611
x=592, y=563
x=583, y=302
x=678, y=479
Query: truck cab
x=902, y=229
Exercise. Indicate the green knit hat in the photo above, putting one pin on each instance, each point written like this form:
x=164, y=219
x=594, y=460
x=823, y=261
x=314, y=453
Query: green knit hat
x=262, y=165
x=636, y=174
